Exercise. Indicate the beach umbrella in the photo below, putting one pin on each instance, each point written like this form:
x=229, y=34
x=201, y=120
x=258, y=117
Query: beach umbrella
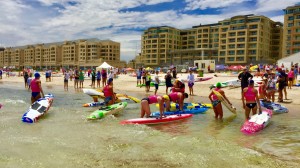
x=148, y=69
x=220, y=67
x=253, y=68
x=129, y=69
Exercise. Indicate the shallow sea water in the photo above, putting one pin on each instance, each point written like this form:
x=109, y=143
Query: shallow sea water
x=64, y=138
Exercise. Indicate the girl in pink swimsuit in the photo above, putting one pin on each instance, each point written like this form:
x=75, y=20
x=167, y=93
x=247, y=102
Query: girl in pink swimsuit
x=250, y=94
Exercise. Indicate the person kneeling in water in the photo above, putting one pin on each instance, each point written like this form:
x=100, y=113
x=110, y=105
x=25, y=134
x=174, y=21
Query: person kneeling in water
x=252, y=100
x=217, y=106
x=108, y=91
x=145, y=108
x=176, y=97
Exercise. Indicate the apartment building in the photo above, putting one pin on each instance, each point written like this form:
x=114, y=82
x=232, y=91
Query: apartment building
x=70, y=54
x=249, y=39
x=39, y=54
x=157, y=42
x=238, y=40
x=291, y=30
x=52, y=56
x=29, y=56
x=7, y=56
x=1, y=56
x=17, y=57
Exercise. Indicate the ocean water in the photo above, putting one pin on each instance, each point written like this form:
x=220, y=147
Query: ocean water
x=64, y=138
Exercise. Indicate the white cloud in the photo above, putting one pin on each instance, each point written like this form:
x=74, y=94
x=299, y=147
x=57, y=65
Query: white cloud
x=204, y=4
x=57, y=20
x=273, y=5
x=279, y=18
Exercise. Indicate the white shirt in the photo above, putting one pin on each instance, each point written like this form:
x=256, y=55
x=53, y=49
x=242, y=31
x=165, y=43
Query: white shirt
x=156, y=81
x=111, y=75
x=67, y=75
x=191, y=78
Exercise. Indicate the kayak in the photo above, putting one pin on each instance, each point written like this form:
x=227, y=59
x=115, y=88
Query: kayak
x=202, y=79
x=94, y=104
x=100, y=94
x=38, y=109
x=223, y=85
x=108, y=110
x=149, y=121
x=276, y=108
x=97, y=104
x=174, y=106
x=186, y=111
x=257, y=122
x=199, y=79
x=151, y=84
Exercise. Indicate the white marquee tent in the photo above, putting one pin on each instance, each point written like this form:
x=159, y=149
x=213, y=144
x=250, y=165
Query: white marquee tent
x=104, y=65
x=287, y=62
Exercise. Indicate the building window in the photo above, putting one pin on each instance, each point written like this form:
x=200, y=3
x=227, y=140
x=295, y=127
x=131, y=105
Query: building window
x=252, y=52
x=290, y=24
x=231, y=52
x=240, y=52
x=230, y=58
x=291, y=18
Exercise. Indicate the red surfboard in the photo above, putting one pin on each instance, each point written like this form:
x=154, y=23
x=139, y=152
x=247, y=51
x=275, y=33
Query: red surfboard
x=149, y=121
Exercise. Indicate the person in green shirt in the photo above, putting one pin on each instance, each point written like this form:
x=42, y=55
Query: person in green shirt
x=81, y=79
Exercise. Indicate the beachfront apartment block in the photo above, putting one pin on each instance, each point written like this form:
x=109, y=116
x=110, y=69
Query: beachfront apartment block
x=291, y=30
x=69, y=54
x=157, y=42
x=238, y=40
x=249, y=39
x=16, y=57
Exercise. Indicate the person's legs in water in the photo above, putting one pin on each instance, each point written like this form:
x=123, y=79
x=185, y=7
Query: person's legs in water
x=285, y=93
x=145, y=109
x=156, y=88
x=217, y=107
x=280, y=94
x=254, y=110
x=35, y=96
x=247, y=112
x=272, y=96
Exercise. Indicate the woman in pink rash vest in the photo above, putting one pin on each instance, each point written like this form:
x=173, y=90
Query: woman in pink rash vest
x=176, y=97
x=145, y=108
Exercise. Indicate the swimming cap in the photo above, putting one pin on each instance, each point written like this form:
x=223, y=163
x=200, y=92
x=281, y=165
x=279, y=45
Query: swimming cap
x=37, y=75
x=166, y=97
x=251, y=81
x=110, y=80
x=186, y=95
x=218, y=85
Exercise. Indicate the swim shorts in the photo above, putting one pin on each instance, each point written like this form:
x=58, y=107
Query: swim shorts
x=35, y=94
x=215, y=102
x=250, y=105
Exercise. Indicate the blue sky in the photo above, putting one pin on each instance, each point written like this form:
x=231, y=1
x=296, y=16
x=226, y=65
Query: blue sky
x=42, y=21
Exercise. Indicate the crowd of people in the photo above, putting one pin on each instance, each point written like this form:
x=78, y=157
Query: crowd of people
x=272, y=80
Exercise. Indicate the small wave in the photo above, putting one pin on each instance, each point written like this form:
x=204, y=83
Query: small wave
x=14, y=101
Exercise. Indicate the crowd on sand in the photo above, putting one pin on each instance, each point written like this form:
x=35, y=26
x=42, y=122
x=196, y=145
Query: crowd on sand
x=273, y=79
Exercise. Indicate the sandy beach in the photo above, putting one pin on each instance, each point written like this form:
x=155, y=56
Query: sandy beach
x=126, y=84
